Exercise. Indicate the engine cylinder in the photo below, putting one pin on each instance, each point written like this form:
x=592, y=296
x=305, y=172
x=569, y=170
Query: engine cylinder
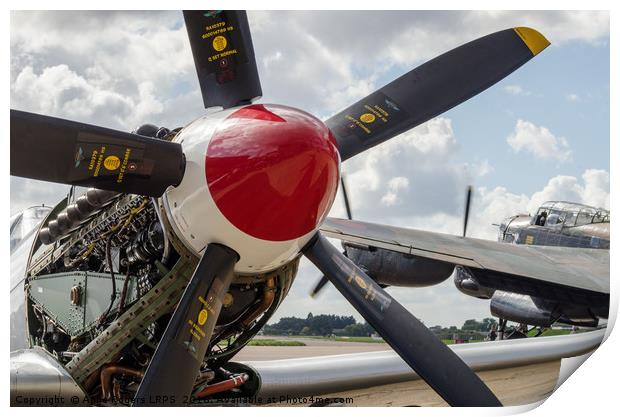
x=64, y=224
x=54, y=229
x=98, y=198
x=75, y=213
x=84, y=206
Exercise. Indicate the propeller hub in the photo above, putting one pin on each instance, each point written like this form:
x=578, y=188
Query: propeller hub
x=273, y=172
x=259, y=178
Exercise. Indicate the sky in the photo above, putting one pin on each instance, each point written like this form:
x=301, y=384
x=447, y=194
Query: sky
x=540, y=134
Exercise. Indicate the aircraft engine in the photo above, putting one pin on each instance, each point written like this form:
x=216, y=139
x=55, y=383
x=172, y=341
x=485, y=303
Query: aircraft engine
x=524, y=309
x=467, y=284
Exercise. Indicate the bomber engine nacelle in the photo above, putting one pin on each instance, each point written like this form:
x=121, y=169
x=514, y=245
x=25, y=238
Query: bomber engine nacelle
x=522, y=308
x=392, y=268
x=466, y=283
x=537, y=311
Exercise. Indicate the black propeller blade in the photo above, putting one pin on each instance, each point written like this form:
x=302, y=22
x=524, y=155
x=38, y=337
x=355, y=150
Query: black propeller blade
x=174, y=367
x=57, y=150
x=467, y=206
x=319, y=286
x=323, y=281
x=433, y=88
x=432, y=360
x=345, y=195
x=224, y=56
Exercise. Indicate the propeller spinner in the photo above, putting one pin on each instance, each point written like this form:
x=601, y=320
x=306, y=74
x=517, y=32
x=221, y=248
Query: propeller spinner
x=259, y=179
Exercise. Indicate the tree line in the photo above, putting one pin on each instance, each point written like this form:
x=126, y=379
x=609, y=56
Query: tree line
x=318, y=325
x=331, y=324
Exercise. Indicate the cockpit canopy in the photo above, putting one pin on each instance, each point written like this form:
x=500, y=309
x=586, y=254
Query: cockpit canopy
x=566, y=214
x=24, y=223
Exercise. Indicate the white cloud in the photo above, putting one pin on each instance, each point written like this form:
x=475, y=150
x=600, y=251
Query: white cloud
x=395, y=185
x=516, y=90
x=593, y=190
x=27, y=193
x=317, y=69
x=267, y=60
x=59, y=91
x=573, y=98
x=412, y=174
x=309, y=67
x=116, y=69
x=539, y=141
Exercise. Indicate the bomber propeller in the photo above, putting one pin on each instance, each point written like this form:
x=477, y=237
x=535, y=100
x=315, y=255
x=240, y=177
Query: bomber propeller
x=467, y=207
x=322, y=282
x=255, y=152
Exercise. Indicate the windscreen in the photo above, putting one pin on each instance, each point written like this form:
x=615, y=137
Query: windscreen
x=24, y=223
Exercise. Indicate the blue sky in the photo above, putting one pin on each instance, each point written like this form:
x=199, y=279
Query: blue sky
x=121, y=69
x=565, y=88
x=571, y=68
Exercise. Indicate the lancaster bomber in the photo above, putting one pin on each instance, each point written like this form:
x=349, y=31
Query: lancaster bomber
x=557, y=224
x=142, y=288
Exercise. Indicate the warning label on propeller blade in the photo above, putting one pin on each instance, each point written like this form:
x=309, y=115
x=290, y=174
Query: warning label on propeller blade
x=221, y=43
x=107, y=159
x=366, y=288
x=205, y=312
x=195, y=330
x=112, y=162
x=370, y=116
x=367, y=118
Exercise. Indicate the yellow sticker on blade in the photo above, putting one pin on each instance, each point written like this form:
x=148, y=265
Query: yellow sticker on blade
x=219, y=43
x=112, y=162
x=367, y=118
x=202, y=317
x=534, y=40
x=529, y=240
x=360, y=282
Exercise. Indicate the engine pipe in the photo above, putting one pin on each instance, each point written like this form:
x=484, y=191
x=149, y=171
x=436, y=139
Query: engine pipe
x=233, y=382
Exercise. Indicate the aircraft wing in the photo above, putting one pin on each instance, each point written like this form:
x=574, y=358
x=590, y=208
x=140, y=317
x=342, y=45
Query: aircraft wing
x=520, y=268
x=329, y=375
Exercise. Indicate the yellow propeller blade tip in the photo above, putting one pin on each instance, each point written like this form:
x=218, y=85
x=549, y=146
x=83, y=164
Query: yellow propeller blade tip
x=534, y=40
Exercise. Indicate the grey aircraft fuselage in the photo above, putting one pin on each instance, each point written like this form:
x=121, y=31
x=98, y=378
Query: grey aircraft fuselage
x=560, y=224
x=556, y=223
x=23, y=230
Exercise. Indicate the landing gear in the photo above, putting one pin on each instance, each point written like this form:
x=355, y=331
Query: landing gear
x=539, y=331
x=502, y=329
x=518, y=332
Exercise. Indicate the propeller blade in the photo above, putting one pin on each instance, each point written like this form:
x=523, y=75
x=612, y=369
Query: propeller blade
x=224, y=56
x=467, y=206
x=430, y=358
x=57, y=150
x=174, y=367
x=319, y=286
x=433, y=88
x=346, y=198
